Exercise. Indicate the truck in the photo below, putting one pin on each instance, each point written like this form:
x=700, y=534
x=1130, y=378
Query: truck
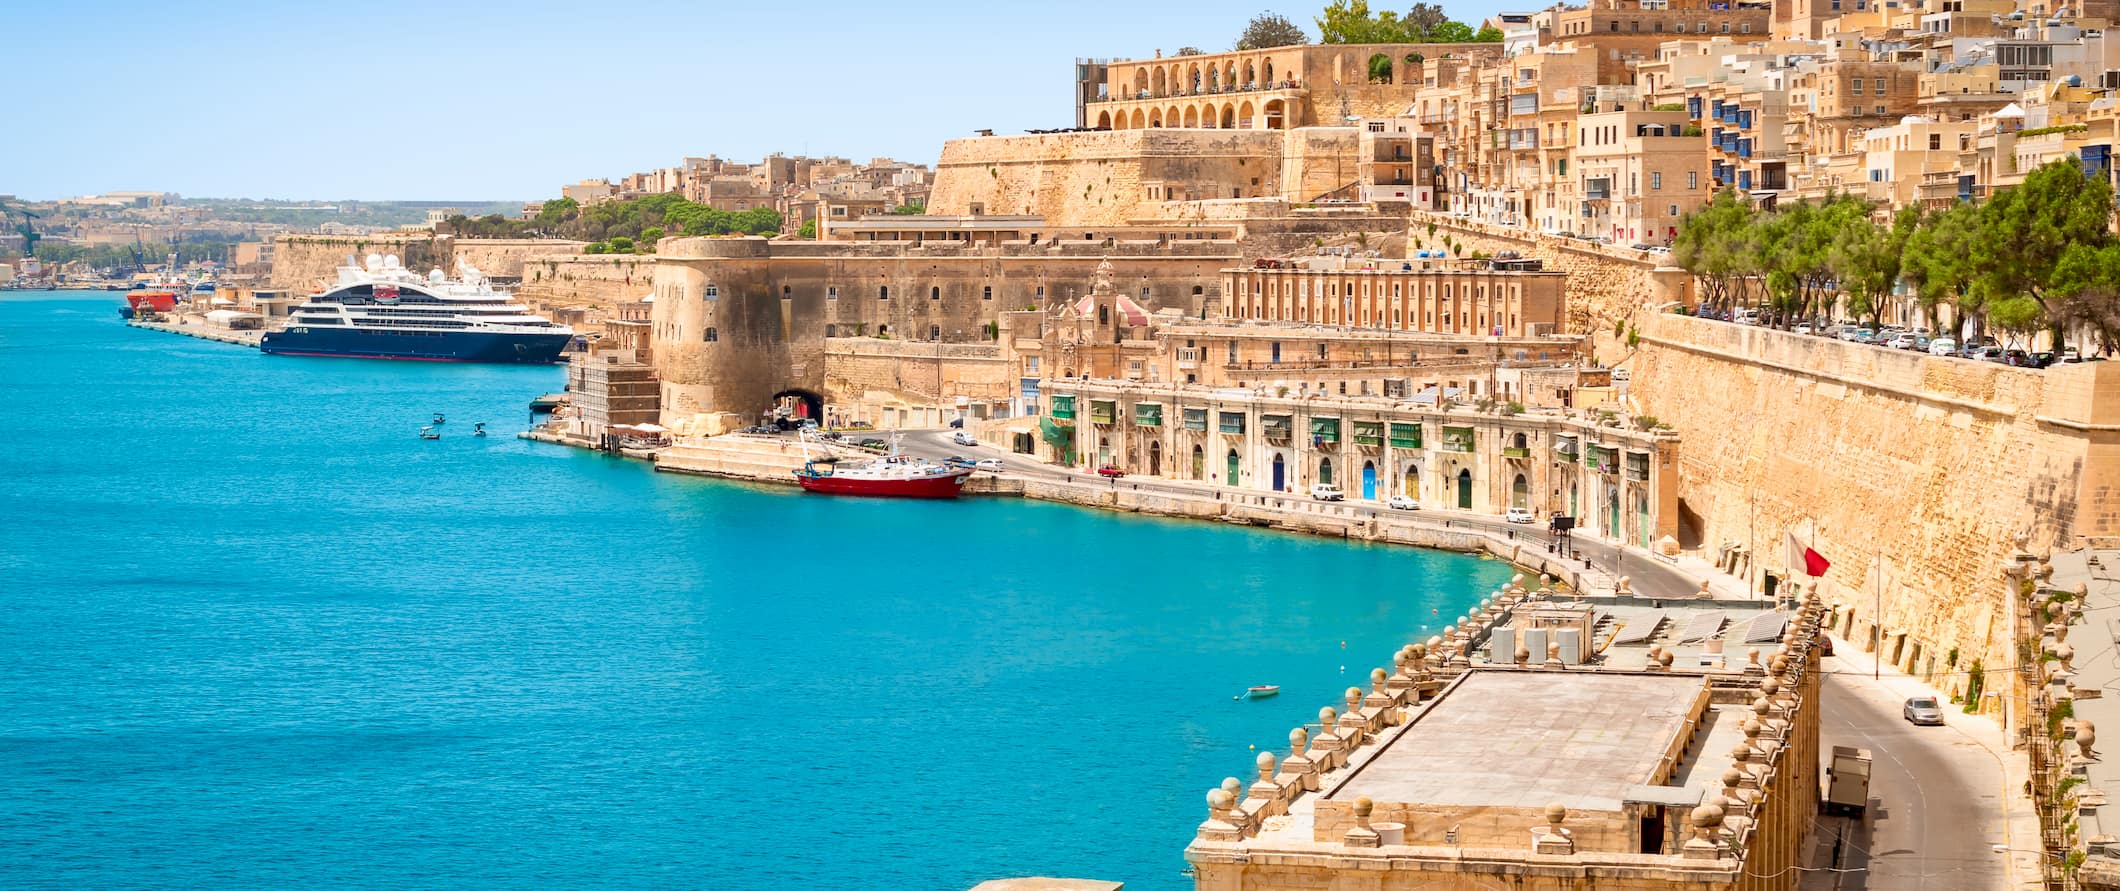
x=1848, y=782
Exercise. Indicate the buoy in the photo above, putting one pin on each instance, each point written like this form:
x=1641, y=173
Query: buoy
x=1343, y=645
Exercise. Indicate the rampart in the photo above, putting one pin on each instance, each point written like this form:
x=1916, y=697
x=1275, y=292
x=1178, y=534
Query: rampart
x=1911, y=473
x=1605, y=285
x=599, y=281
x=304, y=262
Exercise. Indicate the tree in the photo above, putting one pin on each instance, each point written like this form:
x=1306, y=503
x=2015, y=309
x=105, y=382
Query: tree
x=621, y=245
x=1717, y=244
x=808, y=230
x=1380, y=69
x=1423, y=18
x=648, y=238
x=1488, y=34
x=1350, y=21
x=1190, y=51
x=1451, y=32
x=1271, y=29
x=2025, y=233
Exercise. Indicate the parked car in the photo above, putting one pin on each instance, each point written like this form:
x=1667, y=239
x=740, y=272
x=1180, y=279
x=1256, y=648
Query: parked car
x=1921, y=343
x=1984, y=353
x=872, y=443
x=2018, y=359
x=1857, y=334
x=1904, y=340
x=1327, y=492
x=1402, y=502
x=1923, y=710
x=958, y=460
x=993, y=464
x=964, y=439
x=1641, y=247
x=1111, y=470
x=956, y=423
x=2042, y=359
x=2069, y=354
x=1943, y=346
x=1519, y=515
x=1803, y=328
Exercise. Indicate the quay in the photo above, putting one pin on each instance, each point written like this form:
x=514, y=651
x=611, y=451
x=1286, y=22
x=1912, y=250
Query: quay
x=202, y=331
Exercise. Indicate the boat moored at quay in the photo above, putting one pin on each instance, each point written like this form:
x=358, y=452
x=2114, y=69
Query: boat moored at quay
x=894, y=476
x=381, y=310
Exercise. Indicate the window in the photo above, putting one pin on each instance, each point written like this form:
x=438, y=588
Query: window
x=1880, y=86
x=1672, y=210
x=831, y=293
x=934, y=332
x=1855, y=87
x=986, y=293
x=1880, y=109
x=935, y=293
x=1692, y=179
x=1935, y=142
x=1656, y=180
x=787, y=293
x=713, y=291
x=883, y=292
x=712, y=336
x=1745, y=28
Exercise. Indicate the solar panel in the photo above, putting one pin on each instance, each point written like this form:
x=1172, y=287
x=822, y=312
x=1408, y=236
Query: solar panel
x=1640, y=629
x=1766, y=628
x=1702, y=627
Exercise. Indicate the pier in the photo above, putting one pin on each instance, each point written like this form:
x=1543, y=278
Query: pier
x=202, y=331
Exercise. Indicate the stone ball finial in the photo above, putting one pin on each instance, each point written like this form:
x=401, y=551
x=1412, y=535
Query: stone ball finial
x=1753, y=728
x=2083, y=589
x=1267, y=764
x=1363, y=807
x=1297, y=739
x=1708, y=816
x=2086, y=735
x=1752, y=656
x=1434, y=643
x=1664, y=659
x=1740, y=753
x=1328, y=717
x=1378, y=676
x=1556, y=814
x=1219, y=799
x=2066, y=654
x=1732, y=777
x=1522, y=655
x=1770, y=686
x=1354, y=699
x=1233, y=786
x=1761, y=707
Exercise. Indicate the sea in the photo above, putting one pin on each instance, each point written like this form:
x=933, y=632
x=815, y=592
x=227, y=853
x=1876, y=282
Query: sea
x=255, y=632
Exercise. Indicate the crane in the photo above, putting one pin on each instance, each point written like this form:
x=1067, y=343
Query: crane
x=26, y=226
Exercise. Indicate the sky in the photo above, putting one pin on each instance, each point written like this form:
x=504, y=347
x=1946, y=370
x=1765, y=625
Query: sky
x=387, y=100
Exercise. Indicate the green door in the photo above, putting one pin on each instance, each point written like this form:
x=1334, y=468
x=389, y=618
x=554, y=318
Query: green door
x=1232, y=467
x=1464, y=490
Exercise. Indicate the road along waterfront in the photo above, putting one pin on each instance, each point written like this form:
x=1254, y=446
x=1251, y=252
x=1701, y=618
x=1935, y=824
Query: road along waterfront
x=260, y=633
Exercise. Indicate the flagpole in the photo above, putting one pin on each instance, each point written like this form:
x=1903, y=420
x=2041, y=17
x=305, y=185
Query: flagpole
x=1877, y=589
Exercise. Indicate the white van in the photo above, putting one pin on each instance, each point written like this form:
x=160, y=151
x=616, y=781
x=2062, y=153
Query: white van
x=1943, y=346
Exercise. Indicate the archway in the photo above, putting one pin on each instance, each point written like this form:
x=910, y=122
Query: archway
x=1369, y=481
x=1380, y=69
x=1251, y=77
x=1325, y=470
x=1465, y=489
x=1199, y=463
x=799, y=404
x=1155, y=119
x=1229, y=117
x=1140, y=82
x=1276, y=117
x=1411, y=482
x=1232, y=461
x=1520, y=441
x=1520, y=492
x=1172, y=117
x=1280, y=473
x=1192, y=79
x=1612, y=514
x=1192, y=118
x=1244, y=115
x=1159, y=84
x=1267, y=72
x=1140, y=120
x=1104, y=119
x=1155, y=459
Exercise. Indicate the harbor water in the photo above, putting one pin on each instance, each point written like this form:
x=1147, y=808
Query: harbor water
x=257, y=633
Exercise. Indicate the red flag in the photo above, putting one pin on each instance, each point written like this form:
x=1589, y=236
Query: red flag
x=1814, y=563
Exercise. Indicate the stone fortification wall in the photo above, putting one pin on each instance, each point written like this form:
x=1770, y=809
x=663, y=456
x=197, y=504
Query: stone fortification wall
x=1104, y=178
x=864, y=376
x=601, y=281
x=773, y=305
x=303, y=262
x=1911, y=473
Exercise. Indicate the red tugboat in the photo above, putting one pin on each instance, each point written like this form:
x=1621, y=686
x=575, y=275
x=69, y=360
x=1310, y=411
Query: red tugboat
x=893, y=475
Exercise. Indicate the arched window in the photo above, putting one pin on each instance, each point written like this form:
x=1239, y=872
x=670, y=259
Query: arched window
x=883, y=292
x=1521, y=441
x=712, y=335
x=787, y=292
x=935, y=293
x=1104, y=314
x=1325, y=470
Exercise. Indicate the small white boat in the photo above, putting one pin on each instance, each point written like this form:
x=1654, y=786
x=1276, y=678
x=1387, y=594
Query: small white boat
x=478, y=429
x=439, y=419
x=1263, y=691
x=429, y=433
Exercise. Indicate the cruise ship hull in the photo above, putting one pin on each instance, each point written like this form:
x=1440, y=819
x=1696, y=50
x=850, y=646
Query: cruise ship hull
x=426, y=346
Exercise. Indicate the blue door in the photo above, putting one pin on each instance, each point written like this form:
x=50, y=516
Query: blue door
x=1279, y=474
x=1369, y=481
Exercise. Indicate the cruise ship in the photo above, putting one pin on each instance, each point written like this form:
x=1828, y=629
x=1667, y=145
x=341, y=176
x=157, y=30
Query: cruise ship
x=380, y=310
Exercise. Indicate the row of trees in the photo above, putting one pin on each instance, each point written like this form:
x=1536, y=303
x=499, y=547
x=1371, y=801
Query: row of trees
x=122, y=256
x=2037, y=256
x=629, y=226
x=1350, y=21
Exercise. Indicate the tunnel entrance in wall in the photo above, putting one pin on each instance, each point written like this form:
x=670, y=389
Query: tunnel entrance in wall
x=796, y=405
x=1689, y=526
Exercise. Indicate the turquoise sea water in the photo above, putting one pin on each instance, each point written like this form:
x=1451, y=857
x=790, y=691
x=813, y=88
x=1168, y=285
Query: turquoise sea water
x=255, y=633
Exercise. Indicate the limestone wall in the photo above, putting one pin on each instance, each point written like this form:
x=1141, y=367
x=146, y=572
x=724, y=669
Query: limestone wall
x=1604, y=285
x=1103, y=178
x=596, y=280
x=1911, y=473
x=305, y=262
x=865, y=378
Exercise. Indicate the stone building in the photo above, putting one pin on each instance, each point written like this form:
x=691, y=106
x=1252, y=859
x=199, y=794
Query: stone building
x=1550, y=771
x=1281, y=88
x=1484, y=298
x=1432, y=445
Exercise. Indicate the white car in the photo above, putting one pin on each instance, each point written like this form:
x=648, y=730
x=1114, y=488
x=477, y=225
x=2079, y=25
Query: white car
x=964, y=439
x=1943, y=346
x=1327, y=492
x=1519, y=515
x=993, y=464
x=1402, y=502
x=1804, y=328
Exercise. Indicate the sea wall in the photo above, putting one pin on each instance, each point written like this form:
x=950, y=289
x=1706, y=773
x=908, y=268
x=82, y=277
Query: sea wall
x=1912, y=474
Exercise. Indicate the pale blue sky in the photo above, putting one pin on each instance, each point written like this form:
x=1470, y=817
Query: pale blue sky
x=447, y=101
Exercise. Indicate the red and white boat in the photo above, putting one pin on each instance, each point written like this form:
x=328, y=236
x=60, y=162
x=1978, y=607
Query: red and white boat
x=893, y=475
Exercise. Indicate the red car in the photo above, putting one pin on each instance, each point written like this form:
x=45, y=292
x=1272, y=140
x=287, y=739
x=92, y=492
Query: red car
x=1111, y=470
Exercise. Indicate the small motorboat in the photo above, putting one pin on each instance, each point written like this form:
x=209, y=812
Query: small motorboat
x=478, y=429
x=1263, y=691
x=439, y=419
x=429, y=433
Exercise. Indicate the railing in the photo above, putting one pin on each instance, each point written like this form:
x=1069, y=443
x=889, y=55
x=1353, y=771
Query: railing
x=1139, y=95
x=1514, y=452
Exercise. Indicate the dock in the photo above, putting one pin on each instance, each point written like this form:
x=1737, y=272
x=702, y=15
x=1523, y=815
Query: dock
x=203, y=332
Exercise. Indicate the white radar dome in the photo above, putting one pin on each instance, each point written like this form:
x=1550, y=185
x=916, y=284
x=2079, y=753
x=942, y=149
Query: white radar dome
x=390, y=261
x=435, y=276
x=375, y=261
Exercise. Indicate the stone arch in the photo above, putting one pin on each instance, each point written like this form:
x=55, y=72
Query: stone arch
x=1104, y=119
x=1192, y=117
x=1229, y=75
x=1159, y=83
x=1339, y=68
x=1379, y=70
x=1172, y=117
x=1520, y=492
x=1244, y=117
x=1229, y=116
x=1155, y=118
x=810, y=405
x=1199, y=462
x=1410, y=484
x=1275, y=115
x=1251, y=75
x=1325, y=470
x=1140, y=120
x=1192, y=79
x=1267, y=71
x=1140, y=81
x=1214, y=78
x=1520, y=441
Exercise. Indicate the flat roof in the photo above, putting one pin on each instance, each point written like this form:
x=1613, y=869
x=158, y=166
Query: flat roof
x=1526, y=739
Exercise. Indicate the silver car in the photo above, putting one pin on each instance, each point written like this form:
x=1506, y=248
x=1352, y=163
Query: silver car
x=1923, y=710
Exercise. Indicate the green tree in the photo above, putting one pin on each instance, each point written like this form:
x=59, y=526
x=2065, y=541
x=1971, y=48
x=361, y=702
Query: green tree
x=1717, y=243
x=1380, y=69
x=1423, y=18
x=1271, y=29
x=1488, y=34
x=1452, y=32
x=621, y=245
x=1867, y=259
x=596, y=247
x=1350, y=21
x=1190, y=51
x=2026, y=231
x=808, y=230
x=1937, y=262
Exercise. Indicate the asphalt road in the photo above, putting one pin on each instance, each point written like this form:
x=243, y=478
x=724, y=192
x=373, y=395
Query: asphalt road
x=1936, y=793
